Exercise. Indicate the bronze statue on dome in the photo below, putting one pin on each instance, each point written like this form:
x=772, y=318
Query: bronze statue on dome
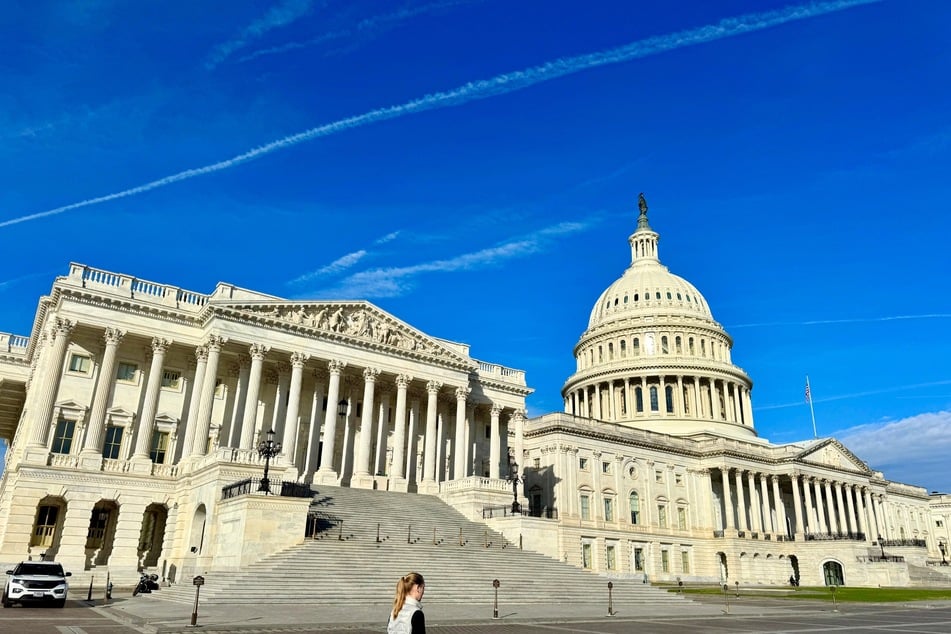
x=642, y=203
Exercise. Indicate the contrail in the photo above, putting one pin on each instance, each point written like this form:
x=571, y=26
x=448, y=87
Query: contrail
x=842, y=397
x=854, y=320
x=498, y=85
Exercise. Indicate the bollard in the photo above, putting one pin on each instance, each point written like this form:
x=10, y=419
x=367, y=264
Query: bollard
x=835, y=605
x=520, y=541
x=409, y=528
x=434, y=535
x=495, y=608
x=340, y=534
x=108, y=587
x=89, y=596
x=610, y=599
x=486, y=538
x=681, y=585
x=460, y=536
x=737, y=589
x=197, y=582
x=377, y=532
x=726, y=597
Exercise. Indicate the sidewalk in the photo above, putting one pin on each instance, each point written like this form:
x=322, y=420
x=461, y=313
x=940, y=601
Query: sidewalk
x=150, y=613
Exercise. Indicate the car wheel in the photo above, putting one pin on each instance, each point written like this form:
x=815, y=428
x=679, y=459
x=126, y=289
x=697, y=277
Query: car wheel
x=59, y=604
x=6, y=602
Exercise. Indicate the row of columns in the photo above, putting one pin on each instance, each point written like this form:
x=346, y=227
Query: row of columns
x=694, y=397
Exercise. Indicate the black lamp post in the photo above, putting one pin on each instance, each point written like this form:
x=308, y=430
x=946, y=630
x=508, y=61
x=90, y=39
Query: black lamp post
x=515, y=480
x=943, y=549
x=342, y=408
x=881, y=545
x=267, y=450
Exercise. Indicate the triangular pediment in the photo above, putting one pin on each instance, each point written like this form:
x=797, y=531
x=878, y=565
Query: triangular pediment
x=120, y=414
x=832, y=453
x=357, y=322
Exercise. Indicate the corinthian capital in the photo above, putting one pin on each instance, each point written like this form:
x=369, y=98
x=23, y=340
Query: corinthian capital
x=61, y=327
x=257, y=351
x=214, y=342
x=462, y=393
x=433, y=387
x=112, y=336
x=403, y=381
x=370, y=374
x=298, y=359
x=160, y=345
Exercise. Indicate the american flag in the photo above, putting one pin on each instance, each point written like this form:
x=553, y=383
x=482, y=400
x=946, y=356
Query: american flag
x=808, y=393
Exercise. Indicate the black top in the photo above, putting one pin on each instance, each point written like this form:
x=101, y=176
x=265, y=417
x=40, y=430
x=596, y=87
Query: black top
x=418, y=622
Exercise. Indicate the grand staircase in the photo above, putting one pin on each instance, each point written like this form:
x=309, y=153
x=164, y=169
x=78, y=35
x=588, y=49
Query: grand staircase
x=368, y=539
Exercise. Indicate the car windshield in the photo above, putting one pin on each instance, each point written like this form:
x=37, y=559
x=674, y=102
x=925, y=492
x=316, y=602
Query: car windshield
x=39, y=569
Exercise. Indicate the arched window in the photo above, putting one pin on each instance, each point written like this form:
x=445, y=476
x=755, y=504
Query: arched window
x=623, y=347
x=635, y=508
x=669, y=394
x=657, y=295
x=600, y=354
x=703, y=347
x=654, y=401
x=611, y=351
x=664, y=347
x=636, y=347
x=639, y=398
x=678, y=345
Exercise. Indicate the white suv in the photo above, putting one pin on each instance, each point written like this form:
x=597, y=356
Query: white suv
x=36, y=581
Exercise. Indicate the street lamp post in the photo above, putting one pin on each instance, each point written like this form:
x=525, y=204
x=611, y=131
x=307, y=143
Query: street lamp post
x=881, y=545
x=515, y=480
x=267, y=450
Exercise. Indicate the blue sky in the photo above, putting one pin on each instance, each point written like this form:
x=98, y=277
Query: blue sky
x=472, y=166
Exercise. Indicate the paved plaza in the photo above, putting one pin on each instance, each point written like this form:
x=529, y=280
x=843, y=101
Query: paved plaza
x=745, y=616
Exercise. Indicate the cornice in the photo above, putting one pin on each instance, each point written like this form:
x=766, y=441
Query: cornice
x=714, y=370
x=131, y=306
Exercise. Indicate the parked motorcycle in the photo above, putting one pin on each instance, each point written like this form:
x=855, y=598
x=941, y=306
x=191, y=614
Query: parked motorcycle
x=147, y=583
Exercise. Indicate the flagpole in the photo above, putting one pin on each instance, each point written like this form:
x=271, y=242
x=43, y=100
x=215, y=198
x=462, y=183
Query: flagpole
x=811, y=408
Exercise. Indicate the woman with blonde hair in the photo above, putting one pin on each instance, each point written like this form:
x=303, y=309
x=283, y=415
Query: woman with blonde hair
x=407, y=615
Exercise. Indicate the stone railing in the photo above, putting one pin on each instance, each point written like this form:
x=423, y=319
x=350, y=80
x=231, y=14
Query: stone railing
x=15, y=344
x=823, y=537
x=501, y=373
x=165, y=470
x=132, y=287
x=63, y=460
x=917, y=543
x=475, y=483
x=115, y=466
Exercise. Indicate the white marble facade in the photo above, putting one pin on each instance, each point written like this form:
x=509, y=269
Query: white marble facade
x=131, y=403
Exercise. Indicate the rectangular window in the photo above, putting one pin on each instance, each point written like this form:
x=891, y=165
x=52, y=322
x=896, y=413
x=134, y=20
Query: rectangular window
x=172, y=379
x=79, y=363
x=684, y=561
x=219, y=388
x=608, y=509
x=586, y=555
x=159, y=447
x=63, y=436
x=662, y=516
x=126, y=372
x=658, y=476
x=638, y=560
x=583, y=464
x=605, y=467
x=113, y=443
x=679, y=479
x=610, y=557
x=585, y=507
x=665, y=560
x=939, y=523
x=682, y=518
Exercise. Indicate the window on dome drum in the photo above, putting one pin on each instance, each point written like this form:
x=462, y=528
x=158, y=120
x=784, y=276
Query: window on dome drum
x=63, y=436
x=686, y=401
x=690, y=346
x=159, y=446
x=635, y=297
x=654, y=404
x=664, y=348
x=679, y=297
x=658, y=476
x=669, y=397
x=625, y=299
x=623, y=348
x=126, y=372
x=110, y=448
x=600, y=354
x=638, y=560
x=639, y=399
x=488, y=430
x=623, y=403
x=635, y=508
x=610, y=351
x=657, y=295
x=703, y=347
x=669, y=296
x=678, y=345
x=665, y=560
x=585, y=507
x=636, y=347
x=79, y=363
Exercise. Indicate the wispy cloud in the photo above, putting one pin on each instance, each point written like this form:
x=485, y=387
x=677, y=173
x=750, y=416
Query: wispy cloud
x=364, y=28
x=16, y=280
x=855, y=320
x=486, y=88
x=912, y=450
x=337, y=266
x=281, y=15
x=843, y=397
x=396, y=281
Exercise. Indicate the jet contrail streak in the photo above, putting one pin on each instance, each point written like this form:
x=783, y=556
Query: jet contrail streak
x=854, y=320
x=485, y=88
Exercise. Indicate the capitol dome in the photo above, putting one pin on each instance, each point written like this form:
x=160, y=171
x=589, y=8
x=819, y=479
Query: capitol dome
x=654, y=357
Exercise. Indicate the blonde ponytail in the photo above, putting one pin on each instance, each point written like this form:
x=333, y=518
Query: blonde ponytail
x=403, y=587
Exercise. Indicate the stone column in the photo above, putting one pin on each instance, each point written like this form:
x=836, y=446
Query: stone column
x=800, y=527
x=820, y=506
x=459, y=469
x=728, y=523
x=47, y=388
x=382, y=425
x=862, y=513
x=292, y=420
x=812, y=523
x=740, y=501
x=361, y=469
x=412, y=473
x=754, y=503
x=596, y=409
x=150, y=403
x=428, y=483
x=313, y=432
x=613, y=401
x=326, y=473
x=830, y=506
x=697, y=399
x=781, y=528
x=243, y=368
x=397, y=478
x=207, y=395
x=201, y=357
x=92, y=447
x=768, y=526
x=250, y=419
x=495, y=447
x=843, y=524
x=849, y=490
x=880, y=517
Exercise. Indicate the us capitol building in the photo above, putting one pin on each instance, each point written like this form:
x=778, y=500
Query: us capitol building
x=131, y=404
